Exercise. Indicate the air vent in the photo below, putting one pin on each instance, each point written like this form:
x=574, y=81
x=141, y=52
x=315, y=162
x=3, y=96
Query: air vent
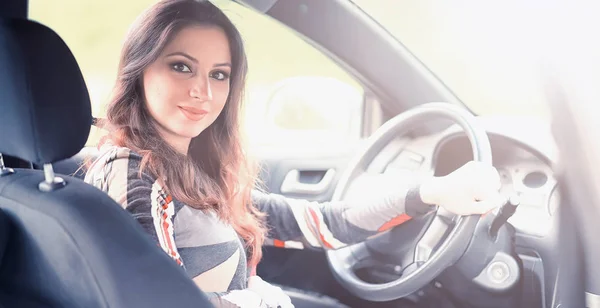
x=535, y=179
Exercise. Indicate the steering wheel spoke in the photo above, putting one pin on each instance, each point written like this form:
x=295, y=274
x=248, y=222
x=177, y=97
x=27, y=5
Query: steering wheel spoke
x=433, y=237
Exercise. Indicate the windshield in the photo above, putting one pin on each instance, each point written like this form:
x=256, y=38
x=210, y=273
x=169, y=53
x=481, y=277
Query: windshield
x=476, y=48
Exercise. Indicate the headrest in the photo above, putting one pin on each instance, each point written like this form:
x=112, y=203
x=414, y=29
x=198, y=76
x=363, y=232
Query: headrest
x=45, y=112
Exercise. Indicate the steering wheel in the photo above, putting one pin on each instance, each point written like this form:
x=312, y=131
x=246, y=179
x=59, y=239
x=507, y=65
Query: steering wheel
x=424, y=264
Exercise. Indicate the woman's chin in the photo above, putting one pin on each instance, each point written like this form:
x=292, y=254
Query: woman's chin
x=190, y=133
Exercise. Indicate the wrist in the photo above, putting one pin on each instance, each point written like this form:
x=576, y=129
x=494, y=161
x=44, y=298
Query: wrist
x=414, y=205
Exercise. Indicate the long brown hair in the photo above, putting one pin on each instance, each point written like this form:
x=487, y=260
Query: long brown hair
x=216, y=174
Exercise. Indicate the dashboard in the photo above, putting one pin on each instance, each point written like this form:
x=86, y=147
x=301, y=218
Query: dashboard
x=523, y=160
x=523, y=172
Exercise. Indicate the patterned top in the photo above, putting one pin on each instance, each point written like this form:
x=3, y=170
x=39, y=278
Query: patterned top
x=204, y=245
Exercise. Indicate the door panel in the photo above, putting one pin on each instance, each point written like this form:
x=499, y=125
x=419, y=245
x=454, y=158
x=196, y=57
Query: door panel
x=305, y=172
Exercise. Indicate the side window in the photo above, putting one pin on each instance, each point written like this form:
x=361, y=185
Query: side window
x=294, y=93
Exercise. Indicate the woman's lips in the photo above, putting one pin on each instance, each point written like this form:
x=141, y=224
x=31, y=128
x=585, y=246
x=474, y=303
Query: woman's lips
x=192, y=113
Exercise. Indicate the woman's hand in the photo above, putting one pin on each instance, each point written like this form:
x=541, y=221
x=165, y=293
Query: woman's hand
x=470, y=189
x=271, y=295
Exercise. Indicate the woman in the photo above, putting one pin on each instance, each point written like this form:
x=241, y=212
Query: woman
x=174, y=160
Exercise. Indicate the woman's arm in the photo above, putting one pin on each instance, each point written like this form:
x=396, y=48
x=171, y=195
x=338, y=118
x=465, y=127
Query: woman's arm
x=380, y=203
x=383, y=202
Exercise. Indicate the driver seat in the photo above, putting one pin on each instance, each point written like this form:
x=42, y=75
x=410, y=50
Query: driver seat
x=64, y=243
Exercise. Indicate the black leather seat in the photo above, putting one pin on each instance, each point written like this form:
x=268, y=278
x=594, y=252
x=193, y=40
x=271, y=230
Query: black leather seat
x=64, y=243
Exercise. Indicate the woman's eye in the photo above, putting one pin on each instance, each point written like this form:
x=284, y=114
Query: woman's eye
x=180, y=67
x=219, y=75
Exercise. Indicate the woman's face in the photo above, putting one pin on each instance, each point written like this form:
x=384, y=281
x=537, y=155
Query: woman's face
x=187, y=86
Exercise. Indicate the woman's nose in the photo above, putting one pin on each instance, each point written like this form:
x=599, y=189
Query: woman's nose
x=201, y=90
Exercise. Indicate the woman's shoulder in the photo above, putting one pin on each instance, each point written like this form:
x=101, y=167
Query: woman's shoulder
x=109, y=153
x=113, y=159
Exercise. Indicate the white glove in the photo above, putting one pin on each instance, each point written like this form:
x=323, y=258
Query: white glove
x=470, y=189
x=271, y=295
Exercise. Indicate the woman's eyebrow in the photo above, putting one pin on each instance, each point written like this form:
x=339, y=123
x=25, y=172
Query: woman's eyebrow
x=222, y=64
x=183, y=54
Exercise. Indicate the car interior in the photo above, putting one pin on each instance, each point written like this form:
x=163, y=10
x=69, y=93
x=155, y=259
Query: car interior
x=63, y=243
